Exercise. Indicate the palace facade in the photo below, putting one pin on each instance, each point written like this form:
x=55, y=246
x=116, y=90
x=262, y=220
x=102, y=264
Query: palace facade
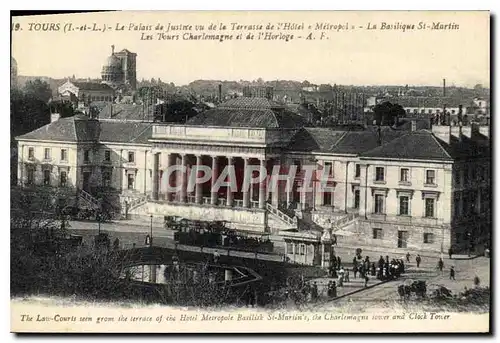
x=422, y=190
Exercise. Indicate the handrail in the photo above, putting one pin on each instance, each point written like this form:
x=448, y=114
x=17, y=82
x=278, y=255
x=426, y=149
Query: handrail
x=283, y=216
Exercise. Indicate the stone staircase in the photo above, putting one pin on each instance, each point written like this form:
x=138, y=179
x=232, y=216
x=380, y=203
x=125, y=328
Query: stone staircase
x=281, y=219
x=86, y=200
x=133, y=204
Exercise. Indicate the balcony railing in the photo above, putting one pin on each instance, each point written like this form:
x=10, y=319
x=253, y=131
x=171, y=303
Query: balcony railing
x=226, y=134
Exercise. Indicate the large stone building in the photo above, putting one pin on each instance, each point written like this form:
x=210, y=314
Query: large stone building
x=409, y=190
x=86, y=93
x=119, y=71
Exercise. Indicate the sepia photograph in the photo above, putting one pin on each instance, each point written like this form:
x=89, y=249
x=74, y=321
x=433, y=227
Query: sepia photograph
x=250, y=172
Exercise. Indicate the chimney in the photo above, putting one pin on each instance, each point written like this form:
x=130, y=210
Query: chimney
x=413, y=125
x=220, y=92
x=444, y=87
x=112, y=49
x=54, y=117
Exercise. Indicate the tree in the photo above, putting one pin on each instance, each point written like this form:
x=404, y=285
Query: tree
x=387, y=113
x=27, y=113
x=177, y=111
x=38, y=89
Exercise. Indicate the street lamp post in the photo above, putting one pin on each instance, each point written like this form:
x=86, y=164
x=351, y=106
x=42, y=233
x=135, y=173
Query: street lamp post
x=151, y=233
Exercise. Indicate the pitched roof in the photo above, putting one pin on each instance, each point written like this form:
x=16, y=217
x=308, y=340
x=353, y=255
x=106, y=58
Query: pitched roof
x=82, y=129
x=249, y=112
x=249, y=103
x=339, y=141
x=315, y=139
x=126, y=112
x=415, y=145
x=93, y=86
x=125, y=132
x=71, y=129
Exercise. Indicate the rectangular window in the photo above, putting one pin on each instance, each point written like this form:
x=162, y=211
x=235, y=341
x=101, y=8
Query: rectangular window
x=379, y=203
x=64, y=155
x=46, y=177
x=46, y=153
x=289, y=248
x=356, y=198
x=429, y=208
x=130, y=181
x=31, y=153
x=357, y=173
x=107, y=155
x=329, y=168
x=30, y=176
x=62, y=178
x=428, y=238
x=327, y=199
x=131, y=157
x=86, y=156
x=430, y=177
x=404, y=208
x=106, y=178
x=379, y=174
x=302, y=249
x=404, y=175
x=377, y=233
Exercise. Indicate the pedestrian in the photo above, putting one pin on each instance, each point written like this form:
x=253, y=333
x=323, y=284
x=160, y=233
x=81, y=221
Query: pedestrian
x=355, y=270
x=440, y=264
x=373, y=269
x=216, y=257
x=408, y=257
x=329, y=289
x=346, y=275
x=334, y=289
x=450, y=252
x=116, y=244
x=366, y=280
x=452, y=273
x=339, y=261
x=342, y=273
x=314, y=291
x=476, y=281
x=418, y=259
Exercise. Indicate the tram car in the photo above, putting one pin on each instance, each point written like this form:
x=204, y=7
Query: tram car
x=215, y=234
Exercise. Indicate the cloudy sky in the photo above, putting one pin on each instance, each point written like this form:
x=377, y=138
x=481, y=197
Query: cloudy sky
x=355, y=56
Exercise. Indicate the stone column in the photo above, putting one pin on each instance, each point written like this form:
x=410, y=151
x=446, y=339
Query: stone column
x=262, y=186
x=293, y=251
x=323, y=255
x=167, y=179
x=198, y=186
x=156, y=172
x=184, y=178
x=246, y=191
x=215, y=172
x=275, y=192
x=229, y=195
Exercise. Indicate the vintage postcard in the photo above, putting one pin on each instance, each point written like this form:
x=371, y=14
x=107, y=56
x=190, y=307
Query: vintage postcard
x=263, y=172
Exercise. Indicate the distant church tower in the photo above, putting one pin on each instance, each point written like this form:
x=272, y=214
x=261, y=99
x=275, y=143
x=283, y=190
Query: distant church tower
x=119, y=71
